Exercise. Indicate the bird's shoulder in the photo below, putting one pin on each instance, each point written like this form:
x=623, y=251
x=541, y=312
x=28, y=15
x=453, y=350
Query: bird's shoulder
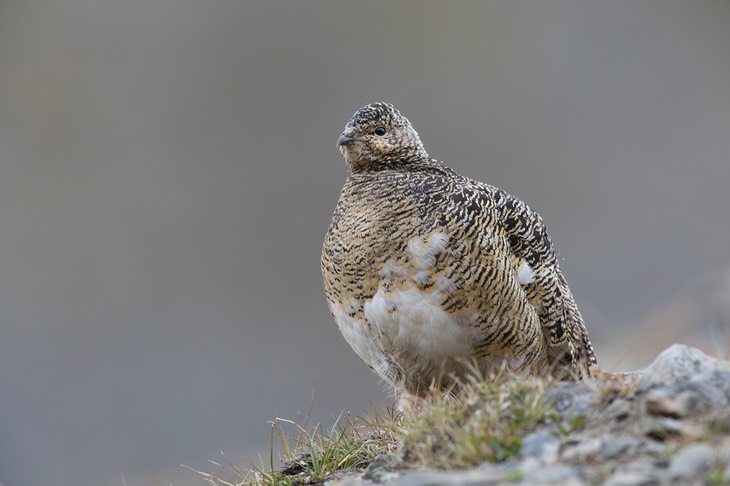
x=467, y=201
x=432, y=195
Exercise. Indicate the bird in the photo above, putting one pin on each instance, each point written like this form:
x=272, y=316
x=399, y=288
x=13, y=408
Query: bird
x=428, y=273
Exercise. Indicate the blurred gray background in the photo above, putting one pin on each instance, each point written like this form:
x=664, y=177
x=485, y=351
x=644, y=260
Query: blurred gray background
x=168, y=170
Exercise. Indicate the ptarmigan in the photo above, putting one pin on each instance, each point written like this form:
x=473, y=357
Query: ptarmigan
x=426, y=271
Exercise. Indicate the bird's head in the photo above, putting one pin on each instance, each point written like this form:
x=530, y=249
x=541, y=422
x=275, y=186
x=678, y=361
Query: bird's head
x=378, y=136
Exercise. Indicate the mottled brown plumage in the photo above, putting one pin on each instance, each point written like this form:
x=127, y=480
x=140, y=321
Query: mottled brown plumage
x=425, y=269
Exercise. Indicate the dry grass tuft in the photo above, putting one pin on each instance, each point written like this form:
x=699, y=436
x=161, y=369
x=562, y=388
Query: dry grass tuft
x=311, y=454
x=485, y=420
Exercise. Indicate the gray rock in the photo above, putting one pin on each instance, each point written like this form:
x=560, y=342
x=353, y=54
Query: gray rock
x=380, y=469
x=352, y=481
x=614, y=446
x=557, y=474
x=510, y=467
x=619, y=409
x=581, y=451
x=659, y=402
x=720, y=378
x=633, y=478
x=710, y=390
x=678, y=364
x=691, y=461
x=526, y=465
x=469, y=477
x=541, y=444
x=571, y=399
x=654, y=449
x=641, y=472
x=662, y=428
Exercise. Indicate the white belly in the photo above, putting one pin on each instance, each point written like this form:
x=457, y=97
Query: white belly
x=408, y=329
x=413, y=321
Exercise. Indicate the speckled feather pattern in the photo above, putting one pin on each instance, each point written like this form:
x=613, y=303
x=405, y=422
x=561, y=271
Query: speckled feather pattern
x=425, y=269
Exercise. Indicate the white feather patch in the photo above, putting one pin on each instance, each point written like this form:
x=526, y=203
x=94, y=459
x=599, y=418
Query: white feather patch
x=356, y=333
x=525, y=274
x=414, y=320
x=424, y=252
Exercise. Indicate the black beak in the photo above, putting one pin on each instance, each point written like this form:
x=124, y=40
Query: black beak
x=344, y=140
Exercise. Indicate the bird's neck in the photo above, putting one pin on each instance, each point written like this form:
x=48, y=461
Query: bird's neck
x=416, y=163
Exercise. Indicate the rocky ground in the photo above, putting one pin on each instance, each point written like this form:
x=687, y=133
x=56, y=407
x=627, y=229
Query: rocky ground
x=669, y=424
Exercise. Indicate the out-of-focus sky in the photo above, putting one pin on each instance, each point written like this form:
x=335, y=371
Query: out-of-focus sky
x=168, y=170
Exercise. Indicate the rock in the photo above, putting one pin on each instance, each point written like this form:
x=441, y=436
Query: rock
x=676, y=365
x=633, y=478
x=691, y=461
x=619, y=409
x=380, y=469
x=658, y=404
x=623, y=478
x=558, y=474
x=708, y=391
x=639, y=472
x=654, y=449
x=581, y=451
x=705, y=392
x=616, y=445
x=571, y=400
x=541, y=444
x=469, y=477
x=720, y=378
x=352, y=481
x=662, y=428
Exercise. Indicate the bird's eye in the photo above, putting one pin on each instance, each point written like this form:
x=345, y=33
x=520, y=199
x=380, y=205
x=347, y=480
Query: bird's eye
x=380, y=131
